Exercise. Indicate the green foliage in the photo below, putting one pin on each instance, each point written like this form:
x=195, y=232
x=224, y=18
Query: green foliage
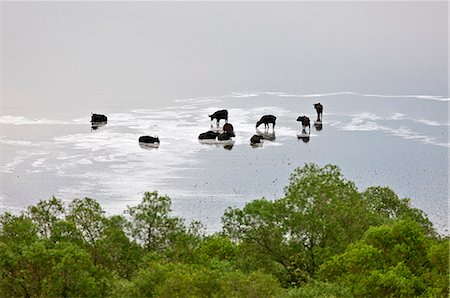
x=181, y=280
x=88, y=217
x=114, y=251
x=261, y=237
x=74, y=274
x=22, y=268
x=319, y=216
x=151, y=222
x=319, y=289
x=325, y=212
x=45, y=214
x=390, y=260
x=385, y=202
x=322, y=239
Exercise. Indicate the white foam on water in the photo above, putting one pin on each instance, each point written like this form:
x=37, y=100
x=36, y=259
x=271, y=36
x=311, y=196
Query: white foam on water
x=19, y=120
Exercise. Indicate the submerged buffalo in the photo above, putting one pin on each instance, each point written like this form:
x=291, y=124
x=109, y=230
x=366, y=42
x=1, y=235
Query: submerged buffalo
x=209, y=135
x=319, y=110
x=256, y=139
x=149, y=140
x=267, y=119
x=305, y=122
x=221, y=114
x=225, y=136
x=98, y=118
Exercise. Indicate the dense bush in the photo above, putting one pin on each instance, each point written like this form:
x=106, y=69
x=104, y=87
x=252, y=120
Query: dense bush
x=324, y=238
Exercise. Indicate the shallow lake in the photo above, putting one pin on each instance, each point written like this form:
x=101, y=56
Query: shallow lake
x=387, y=140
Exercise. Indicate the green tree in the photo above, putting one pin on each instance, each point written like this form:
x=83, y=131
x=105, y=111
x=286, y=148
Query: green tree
x=183, y=280
x=88, y=217
x=66, y=231
x=390, y=260
x=24, y=259
x=385, y=202
x=151, y=223
x=320, y=215
x=259, y=231
x=75, y=275
x=45, y=214
x=114, y=251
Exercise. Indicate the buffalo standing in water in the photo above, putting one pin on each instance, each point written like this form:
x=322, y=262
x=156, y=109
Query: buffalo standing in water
x=305, y=123
x=267, y=119
x=221, y=114
x=319, y=110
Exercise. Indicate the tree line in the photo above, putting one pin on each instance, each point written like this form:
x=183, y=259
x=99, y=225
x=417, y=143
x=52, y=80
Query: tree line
x=323, y=238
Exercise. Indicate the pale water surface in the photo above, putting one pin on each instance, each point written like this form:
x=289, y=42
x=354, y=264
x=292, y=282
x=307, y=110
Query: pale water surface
x=400, y=141
x=159, y=68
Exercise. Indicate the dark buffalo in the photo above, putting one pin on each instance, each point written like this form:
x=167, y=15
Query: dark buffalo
x=228, y=127
x=209, y=135
x=149, y=140
x=305, y=122
x=319, y=110
x=256, y=139
x=267, y=119
x=221, y=114
x=223, y=137
x=98, y=118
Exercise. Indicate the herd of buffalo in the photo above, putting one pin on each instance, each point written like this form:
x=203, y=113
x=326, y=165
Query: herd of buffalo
x=227, y=131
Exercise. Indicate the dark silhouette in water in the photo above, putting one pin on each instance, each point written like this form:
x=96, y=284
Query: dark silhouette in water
x=209, y=135
x=266, y=135
x=304, y=137
x=98, y=118
x=267, y=119
x=305, y=123
x=221, y=114
x=228, y=146
x=149, y=140
x=319, y=110
x=256, y=139
x=225, y=136
x=228, y=128
x=318, y=125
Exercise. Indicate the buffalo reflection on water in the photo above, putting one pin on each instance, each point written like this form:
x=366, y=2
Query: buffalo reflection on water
x=96, y=125
x=227, y=144
x=149, y=146
x=266, y=135
x=304, y=136
x=318, y=125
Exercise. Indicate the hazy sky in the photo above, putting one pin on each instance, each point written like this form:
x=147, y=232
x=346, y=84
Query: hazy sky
x=164, y=50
